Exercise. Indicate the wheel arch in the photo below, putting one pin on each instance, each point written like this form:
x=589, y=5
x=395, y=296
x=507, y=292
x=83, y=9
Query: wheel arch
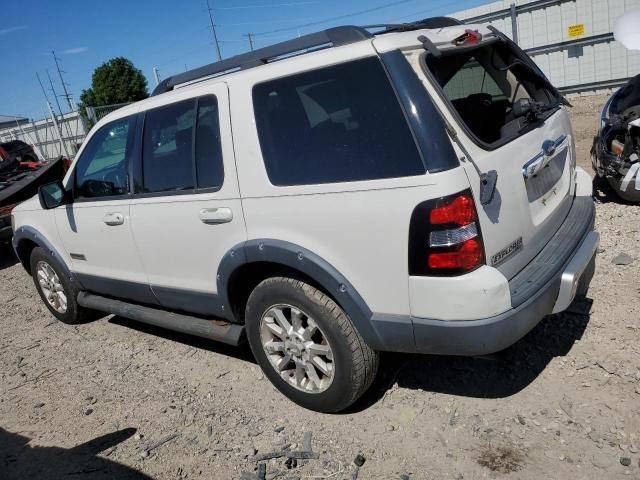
x=26, y=239
x=248, y=263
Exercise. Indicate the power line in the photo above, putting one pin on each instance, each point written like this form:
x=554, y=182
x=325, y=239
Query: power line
x=240, y=7
x=338, y=17
x=213, y=28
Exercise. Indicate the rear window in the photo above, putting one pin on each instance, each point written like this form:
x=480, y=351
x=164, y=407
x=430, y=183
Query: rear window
x=337, y=124
x=181, y=148
x=483, y=84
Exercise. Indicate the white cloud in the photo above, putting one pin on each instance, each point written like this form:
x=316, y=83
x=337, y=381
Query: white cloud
x=73, y=51
x=5, y=31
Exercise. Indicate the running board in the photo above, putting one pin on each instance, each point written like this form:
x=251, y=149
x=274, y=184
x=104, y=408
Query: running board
x=218, y=330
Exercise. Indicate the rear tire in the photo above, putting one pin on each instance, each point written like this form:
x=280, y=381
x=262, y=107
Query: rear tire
x=56, y=290
x=321, y=339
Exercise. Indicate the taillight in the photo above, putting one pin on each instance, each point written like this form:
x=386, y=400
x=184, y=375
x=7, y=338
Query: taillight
x=5, y=211
x=3, y=154
x=444, y=236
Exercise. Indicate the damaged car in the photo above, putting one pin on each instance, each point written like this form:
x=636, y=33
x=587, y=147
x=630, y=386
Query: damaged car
x=615, y=154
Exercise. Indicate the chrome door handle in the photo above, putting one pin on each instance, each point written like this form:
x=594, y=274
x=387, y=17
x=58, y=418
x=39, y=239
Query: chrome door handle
x=113, y=219
x=542, y=159
x=214, y=216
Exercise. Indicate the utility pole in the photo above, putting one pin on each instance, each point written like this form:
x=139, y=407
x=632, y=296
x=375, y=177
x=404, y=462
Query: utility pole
x=54, y=92
x=213, y=28
x=44, y=92
x=156, y=75
x=250, y=37
x=64, y=85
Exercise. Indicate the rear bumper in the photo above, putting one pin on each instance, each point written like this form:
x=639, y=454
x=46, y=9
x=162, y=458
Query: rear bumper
x=548, y=285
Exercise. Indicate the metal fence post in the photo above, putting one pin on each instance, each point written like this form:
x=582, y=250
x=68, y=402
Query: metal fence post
x=55, y=122
x=514, y=23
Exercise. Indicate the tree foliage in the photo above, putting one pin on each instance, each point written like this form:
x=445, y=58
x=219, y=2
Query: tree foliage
x=116, y=81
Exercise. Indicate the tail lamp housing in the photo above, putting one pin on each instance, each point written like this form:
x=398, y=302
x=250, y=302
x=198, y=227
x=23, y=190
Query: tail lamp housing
x=445, y=237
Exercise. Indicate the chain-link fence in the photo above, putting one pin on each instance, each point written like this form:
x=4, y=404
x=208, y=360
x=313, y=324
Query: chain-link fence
x=94, y=114
x=59, y=134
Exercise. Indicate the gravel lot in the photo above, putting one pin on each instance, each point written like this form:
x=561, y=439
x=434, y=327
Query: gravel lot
x=98, y=400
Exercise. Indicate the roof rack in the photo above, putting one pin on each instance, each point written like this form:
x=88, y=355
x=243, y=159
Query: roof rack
x=332, y=37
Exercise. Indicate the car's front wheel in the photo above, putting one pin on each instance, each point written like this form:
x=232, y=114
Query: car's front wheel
x=56, y=290
x=307, y=346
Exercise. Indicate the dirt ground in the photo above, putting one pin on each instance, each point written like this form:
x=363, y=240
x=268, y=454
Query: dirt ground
x=116, y=399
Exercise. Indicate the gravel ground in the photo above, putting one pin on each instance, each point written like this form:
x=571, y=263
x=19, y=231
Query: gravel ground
x=116, y=399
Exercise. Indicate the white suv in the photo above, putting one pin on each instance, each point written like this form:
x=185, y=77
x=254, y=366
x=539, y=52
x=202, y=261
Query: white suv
x=334, y=196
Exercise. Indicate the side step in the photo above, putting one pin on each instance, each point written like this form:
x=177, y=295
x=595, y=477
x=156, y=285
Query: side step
x=218, y=330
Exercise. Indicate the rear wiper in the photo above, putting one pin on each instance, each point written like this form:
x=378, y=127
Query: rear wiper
x=532, y=110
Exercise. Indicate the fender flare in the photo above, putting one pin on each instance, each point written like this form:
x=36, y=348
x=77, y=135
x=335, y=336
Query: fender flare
x=30, y=233
x=307, y=262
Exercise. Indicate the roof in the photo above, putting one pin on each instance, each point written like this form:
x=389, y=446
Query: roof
x=332, y=37
x=10, y=120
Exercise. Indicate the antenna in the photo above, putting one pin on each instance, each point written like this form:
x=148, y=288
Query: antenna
x=213, y=28
x=64, y=85
x=44, y=92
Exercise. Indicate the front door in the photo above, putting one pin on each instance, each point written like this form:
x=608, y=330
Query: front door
x=96, y=228
x=186, y=213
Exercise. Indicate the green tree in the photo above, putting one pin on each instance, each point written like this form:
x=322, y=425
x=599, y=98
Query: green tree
x=116, y=81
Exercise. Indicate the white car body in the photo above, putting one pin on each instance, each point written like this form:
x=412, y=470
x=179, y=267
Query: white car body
x=165, y=245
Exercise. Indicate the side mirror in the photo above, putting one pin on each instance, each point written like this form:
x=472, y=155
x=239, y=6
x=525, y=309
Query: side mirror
x=52, y=195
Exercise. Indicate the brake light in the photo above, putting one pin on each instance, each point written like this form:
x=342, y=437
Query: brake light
x=3, y=154
x=469, y=37
x=4, y=211
x=466, y=257
x=445, y=237
x=459, y=212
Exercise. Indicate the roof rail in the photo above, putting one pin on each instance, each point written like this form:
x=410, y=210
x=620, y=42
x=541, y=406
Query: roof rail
x=429, y=23
x=332, y=37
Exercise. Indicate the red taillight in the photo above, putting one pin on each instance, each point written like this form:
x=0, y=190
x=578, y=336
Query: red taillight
x=466, y=257
x=3, y=154
x=4, y=211
x=66, y=164
x=445, y=236
x=459, y=212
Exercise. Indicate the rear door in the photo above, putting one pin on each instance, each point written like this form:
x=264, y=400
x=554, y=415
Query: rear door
x=534, y=157
x=186, y=212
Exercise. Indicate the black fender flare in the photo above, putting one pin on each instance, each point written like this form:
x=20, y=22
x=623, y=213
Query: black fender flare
x=30, y=233
x=307, y=262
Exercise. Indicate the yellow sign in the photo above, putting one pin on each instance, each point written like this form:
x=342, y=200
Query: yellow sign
x=576, y=30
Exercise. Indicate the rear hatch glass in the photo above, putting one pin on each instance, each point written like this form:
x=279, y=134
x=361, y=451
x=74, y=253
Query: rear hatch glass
x=514, y=123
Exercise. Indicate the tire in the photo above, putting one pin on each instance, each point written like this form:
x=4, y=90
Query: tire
x=352, y=364
x=73, y=314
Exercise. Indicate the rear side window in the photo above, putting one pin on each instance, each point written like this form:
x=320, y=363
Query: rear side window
x=181, y=148
x=336, y=124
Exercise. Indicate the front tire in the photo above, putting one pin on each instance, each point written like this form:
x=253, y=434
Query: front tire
x=307, y=346
x=56, y=290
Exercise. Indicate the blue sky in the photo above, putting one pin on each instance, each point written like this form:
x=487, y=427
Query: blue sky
x=168, y=34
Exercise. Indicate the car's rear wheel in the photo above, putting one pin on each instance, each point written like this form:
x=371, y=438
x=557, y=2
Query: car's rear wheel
x=307, y=345
x=55, y=289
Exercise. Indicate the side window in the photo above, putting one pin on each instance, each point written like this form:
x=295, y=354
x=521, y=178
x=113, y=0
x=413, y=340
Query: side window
x=209, y=166
x=335, y=124
x=167, y=148
x=102, y=169
x=170, y=160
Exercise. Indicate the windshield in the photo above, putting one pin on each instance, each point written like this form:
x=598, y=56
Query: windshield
x=483, y=85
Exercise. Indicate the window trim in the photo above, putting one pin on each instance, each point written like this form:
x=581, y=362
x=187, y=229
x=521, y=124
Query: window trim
x=130, y=159
x=137, y=169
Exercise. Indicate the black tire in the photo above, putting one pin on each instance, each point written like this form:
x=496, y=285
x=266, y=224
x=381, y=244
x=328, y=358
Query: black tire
x=355, y=363
x=74, y=314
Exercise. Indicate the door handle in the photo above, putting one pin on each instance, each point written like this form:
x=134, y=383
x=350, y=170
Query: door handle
x=214, y=216
x=113, y=219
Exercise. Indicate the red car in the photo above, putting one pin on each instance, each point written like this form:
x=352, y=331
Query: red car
x=21, y=173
